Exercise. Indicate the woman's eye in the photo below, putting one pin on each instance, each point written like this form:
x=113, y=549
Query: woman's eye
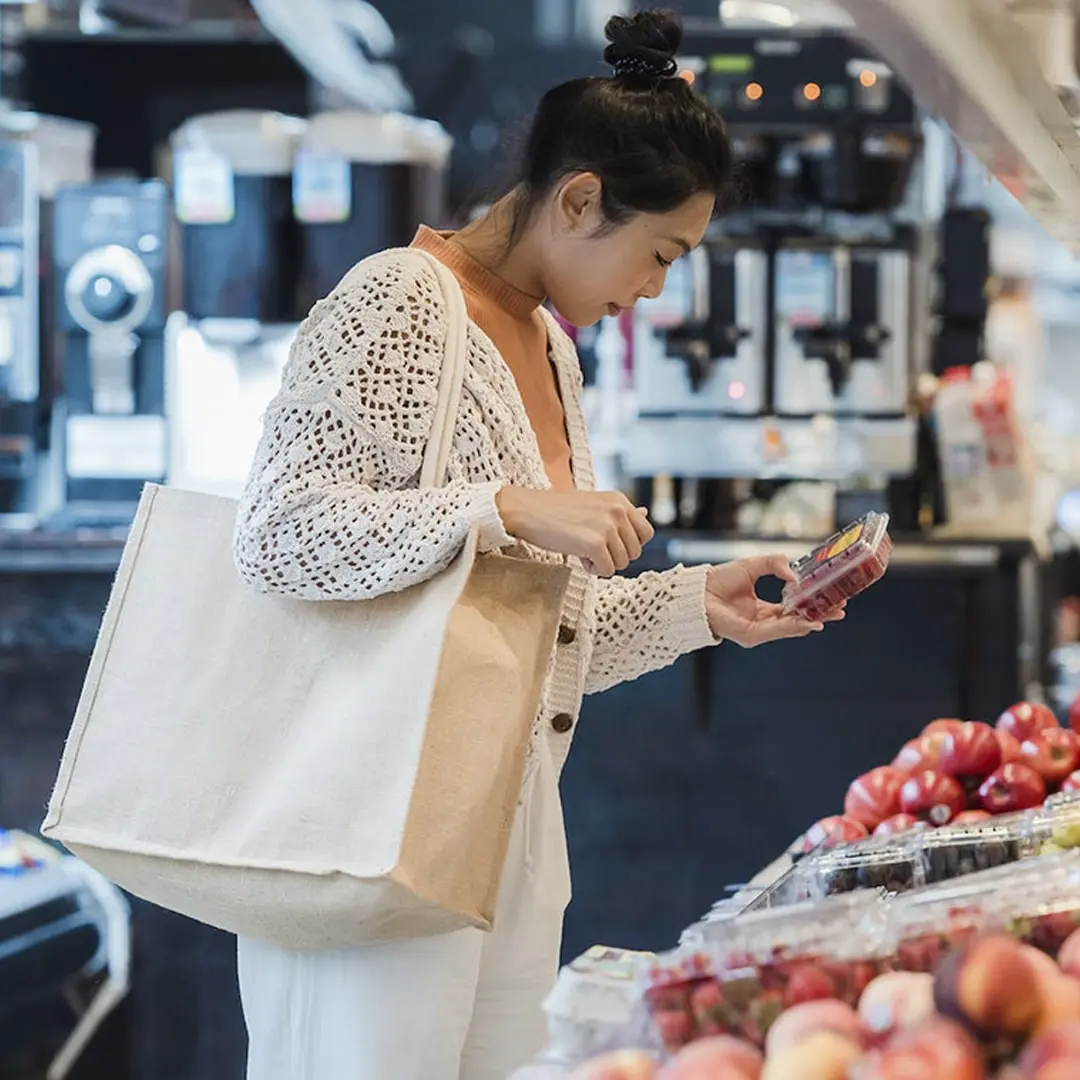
x=665, y=263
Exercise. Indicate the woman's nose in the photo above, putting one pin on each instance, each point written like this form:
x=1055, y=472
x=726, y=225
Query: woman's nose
x=653, y=287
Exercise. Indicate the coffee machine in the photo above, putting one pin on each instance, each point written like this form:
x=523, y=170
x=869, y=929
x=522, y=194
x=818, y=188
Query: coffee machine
x=37, y=154
x=273, y=211
x=363, y=182
x=699, y=347
x=240, y=301
x=110, y=262
x=799, y=366
x=842, y=324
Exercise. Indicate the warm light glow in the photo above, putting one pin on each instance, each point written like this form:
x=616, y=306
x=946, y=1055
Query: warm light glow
x=754, y=91
x=867, y=78
x=737, y=391
x=811, y=91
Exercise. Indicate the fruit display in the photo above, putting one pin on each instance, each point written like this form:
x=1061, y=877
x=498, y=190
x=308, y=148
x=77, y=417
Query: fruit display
x=737, y=977
x=845, y=565
x=957, y=771
x=974, y=980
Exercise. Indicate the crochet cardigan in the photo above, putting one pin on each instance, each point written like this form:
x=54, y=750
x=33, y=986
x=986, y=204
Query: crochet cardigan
x=332, y=509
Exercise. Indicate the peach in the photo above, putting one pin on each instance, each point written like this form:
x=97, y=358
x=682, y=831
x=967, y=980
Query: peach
x=937, y=1049
x=823, y=1055
x=1069, y=955
x=896, y=1000
x=811, y=1016
x=721, y=1058
x=1061, y=1069
x=990, y=987
x=1059, y=1002
x=1043, y=963
x=622, y=1065
x=1059, y=1041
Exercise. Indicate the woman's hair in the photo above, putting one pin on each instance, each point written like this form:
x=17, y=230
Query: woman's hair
x=652, y=141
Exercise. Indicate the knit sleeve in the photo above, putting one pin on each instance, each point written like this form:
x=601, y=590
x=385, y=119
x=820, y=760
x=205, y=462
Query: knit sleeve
x=645, y=623
x=331, y=509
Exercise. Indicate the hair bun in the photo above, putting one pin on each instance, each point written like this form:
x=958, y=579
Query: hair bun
x=644, y=43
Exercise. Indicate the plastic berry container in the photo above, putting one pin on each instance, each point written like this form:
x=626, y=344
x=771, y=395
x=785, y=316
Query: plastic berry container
x=889, y=863
x=1055, y=826
x=1037, y=901
x=958, y=850
x=596, y=1006
x=737, y=976
x=846, y=564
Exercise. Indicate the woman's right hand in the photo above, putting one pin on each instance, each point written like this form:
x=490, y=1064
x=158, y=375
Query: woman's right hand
x=601, y=528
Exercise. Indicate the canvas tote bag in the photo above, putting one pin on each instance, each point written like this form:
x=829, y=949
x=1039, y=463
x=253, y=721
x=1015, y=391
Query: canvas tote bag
x=317, y=774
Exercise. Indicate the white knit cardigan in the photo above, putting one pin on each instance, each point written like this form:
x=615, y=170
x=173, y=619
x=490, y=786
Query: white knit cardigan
x=332, y=509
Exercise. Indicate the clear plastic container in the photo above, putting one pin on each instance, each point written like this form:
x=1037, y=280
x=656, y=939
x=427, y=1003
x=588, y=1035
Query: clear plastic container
x=596, y=1006
x=846, y=564
x=1055, y=826
x=1037, y=900
x=891, y=863
x=958, y=850
x=737, y=976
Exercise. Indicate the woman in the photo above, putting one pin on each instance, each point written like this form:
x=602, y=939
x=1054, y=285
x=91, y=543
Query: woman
x=619, y=180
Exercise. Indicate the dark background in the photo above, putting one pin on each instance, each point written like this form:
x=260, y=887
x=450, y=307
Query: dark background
x=138, y=87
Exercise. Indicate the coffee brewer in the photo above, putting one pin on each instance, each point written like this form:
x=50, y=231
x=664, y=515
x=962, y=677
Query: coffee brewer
x=786, y=346
x=110, y=258
x=240, y=303
x=363, y=182
x=699, y=347
x=273, y=212
x=842, y=315
x=37, y=154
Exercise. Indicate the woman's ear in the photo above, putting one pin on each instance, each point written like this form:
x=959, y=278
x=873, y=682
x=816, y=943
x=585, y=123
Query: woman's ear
x=577, y=204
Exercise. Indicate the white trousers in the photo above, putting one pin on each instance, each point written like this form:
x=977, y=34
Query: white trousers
x=460, y=1006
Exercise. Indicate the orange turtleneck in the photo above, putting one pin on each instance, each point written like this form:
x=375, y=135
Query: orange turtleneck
x=512, y=319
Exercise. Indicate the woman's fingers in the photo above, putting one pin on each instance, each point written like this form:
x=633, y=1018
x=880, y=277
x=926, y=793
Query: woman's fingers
x=759, y=566
x=629, y=536
x=639, y=518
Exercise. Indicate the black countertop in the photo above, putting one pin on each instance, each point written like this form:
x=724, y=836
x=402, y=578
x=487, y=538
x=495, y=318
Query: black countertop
x=75, y=551
x=98, y=550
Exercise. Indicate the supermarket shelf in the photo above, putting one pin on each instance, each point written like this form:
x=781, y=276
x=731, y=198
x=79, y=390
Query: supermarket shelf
x=971, y=63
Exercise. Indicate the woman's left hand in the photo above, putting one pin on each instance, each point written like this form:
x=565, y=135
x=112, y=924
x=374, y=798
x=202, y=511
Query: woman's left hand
x=736, y=612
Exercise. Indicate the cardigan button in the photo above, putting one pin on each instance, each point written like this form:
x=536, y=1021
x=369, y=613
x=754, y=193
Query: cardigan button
x=562, y=722
x=567, y=635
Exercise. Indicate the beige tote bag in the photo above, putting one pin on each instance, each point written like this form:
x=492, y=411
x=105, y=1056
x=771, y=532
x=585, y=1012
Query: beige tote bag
x=318, y=774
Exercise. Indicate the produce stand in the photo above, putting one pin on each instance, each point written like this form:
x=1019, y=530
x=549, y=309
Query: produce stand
x=951, y=932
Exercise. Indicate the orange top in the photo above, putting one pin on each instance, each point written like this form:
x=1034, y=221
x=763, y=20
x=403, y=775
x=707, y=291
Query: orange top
x=513, y=321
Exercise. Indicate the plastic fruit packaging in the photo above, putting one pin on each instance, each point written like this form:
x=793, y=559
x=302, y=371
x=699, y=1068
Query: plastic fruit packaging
x=890, y=863
x=595, y=1006
x=737, y=977
x=1037, y=901
x=962, y=849
x=1055, y=826
x=846, y=564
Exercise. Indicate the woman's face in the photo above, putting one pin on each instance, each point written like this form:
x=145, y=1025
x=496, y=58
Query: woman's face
x=590, y=272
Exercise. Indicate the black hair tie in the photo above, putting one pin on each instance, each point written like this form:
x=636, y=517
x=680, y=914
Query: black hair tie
x=640, y=65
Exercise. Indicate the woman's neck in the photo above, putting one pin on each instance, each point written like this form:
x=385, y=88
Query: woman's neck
x=492, y=242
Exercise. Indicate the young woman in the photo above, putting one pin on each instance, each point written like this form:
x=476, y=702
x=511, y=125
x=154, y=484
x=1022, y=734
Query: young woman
x=619, y=180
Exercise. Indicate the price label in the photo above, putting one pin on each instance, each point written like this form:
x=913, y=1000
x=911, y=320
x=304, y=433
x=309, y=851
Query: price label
x=322, y=188
x=205, y=191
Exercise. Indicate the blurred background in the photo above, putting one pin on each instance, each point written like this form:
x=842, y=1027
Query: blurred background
x=883, y=318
